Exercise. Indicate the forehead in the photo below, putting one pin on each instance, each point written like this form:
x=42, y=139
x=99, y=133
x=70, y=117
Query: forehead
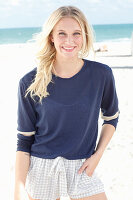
x=67, y=23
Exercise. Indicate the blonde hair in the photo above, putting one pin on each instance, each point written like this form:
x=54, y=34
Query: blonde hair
x=46, y=53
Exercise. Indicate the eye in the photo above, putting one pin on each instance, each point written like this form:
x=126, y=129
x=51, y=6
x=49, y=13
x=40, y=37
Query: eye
x=76, y=33
x=61, y=33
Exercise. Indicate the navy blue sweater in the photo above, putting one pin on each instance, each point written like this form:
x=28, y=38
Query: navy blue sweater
x=66, y=124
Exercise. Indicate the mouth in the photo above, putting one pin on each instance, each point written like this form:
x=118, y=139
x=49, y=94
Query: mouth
x=68, y=49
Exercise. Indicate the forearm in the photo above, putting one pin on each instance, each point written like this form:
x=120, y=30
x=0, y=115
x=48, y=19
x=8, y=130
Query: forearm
x=105, y=137
x=21, y=167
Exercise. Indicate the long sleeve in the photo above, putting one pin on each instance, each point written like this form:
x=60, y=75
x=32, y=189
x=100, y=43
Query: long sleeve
x=26, y=119
x=109, y=106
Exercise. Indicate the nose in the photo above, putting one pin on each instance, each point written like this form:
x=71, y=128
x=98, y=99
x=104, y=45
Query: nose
x=69, y=39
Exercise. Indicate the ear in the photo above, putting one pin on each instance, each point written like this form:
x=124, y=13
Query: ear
x=51, y=38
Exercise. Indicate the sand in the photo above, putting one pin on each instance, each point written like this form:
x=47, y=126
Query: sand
x=116, y=164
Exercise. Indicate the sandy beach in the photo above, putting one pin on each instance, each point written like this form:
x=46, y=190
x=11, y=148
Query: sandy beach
x=115, y=167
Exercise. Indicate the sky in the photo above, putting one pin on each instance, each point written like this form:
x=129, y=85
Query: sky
x=33, y=13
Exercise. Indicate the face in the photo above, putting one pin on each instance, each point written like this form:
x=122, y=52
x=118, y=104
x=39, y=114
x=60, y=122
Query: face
x=67, y=38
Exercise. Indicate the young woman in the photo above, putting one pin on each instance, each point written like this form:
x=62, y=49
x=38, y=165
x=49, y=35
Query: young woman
x=58, y=109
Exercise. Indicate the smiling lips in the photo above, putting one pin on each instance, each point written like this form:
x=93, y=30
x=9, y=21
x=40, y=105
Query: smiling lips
x=68, y=49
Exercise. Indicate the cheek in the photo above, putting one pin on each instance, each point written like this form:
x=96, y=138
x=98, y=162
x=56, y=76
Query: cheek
x=59, y=41
x=79, y=41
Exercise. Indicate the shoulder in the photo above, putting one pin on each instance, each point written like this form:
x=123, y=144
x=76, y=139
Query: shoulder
x=28, y=77
x=98, y=67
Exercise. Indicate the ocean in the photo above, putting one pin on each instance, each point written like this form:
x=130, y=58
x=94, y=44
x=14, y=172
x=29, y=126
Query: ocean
x=103, y=33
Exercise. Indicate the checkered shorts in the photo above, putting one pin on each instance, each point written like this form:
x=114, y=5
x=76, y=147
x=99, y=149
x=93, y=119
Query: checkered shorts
x=49, y=179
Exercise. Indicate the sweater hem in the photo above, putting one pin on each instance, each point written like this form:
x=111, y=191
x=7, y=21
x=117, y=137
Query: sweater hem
x=61, y=155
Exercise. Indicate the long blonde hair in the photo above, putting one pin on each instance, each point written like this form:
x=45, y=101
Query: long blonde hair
x=46, y=52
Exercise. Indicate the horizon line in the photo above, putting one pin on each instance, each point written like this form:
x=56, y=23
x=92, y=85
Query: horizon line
x=41, y=26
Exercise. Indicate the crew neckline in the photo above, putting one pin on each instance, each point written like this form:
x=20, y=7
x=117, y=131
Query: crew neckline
x=74, y=76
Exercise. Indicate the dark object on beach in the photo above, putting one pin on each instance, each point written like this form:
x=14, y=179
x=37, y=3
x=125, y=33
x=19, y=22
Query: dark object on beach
x=103, y=48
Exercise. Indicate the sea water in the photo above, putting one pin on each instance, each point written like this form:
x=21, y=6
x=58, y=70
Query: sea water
x=103, y=33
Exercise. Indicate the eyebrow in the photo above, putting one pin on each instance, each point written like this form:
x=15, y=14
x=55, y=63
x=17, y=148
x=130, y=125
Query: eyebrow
x=74, y=30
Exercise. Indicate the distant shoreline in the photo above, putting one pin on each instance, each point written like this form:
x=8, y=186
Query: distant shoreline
x=40, y=26
x=102, y=33
x=127, y=41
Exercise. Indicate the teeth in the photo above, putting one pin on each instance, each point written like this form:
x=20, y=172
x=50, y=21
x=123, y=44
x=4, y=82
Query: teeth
x=68, y=48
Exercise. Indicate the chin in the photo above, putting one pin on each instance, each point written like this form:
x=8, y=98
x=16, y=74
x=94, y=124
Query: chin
x=69, y=55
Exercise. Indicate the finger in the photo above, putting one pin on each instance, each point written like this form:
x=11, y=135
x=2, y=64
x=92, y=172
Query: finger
x=82, y=168
x=89, y=173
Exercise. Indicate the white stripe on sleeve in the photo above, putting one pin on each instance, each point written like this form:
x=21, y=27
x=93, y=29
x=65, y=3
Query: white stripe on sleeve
x=107, y=118
x=27, y=133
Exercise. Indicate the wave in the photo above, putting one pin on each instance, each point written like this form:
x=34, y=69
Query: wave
x=116, y=40
x=21, y=44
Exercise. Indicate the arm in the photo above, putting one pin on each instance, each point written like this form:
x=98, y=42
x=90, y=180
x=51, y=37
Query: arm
x=105, y=137
x=110, y=115
x=26, y=120
x=21, y=169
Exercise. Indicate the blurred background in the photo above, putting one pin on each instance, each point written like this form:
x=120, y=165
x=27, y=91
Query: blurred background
x=112, y=22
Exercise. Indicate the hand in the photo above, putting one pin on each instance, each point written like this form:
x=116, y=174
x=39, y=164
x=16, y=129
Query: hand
x=90, y=164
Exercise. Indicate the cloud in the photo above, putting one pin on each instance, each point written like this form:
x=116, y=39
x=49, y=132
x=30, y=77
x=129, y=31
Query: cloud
x=22, y=13
x=125, y=4
x=9, y=3
x=125, y=1
x=15, y=2
x=94, y=1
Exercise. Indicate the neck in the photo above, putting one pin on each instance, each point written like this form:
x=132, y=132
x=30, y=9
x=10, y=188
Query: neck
x=67, y=66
